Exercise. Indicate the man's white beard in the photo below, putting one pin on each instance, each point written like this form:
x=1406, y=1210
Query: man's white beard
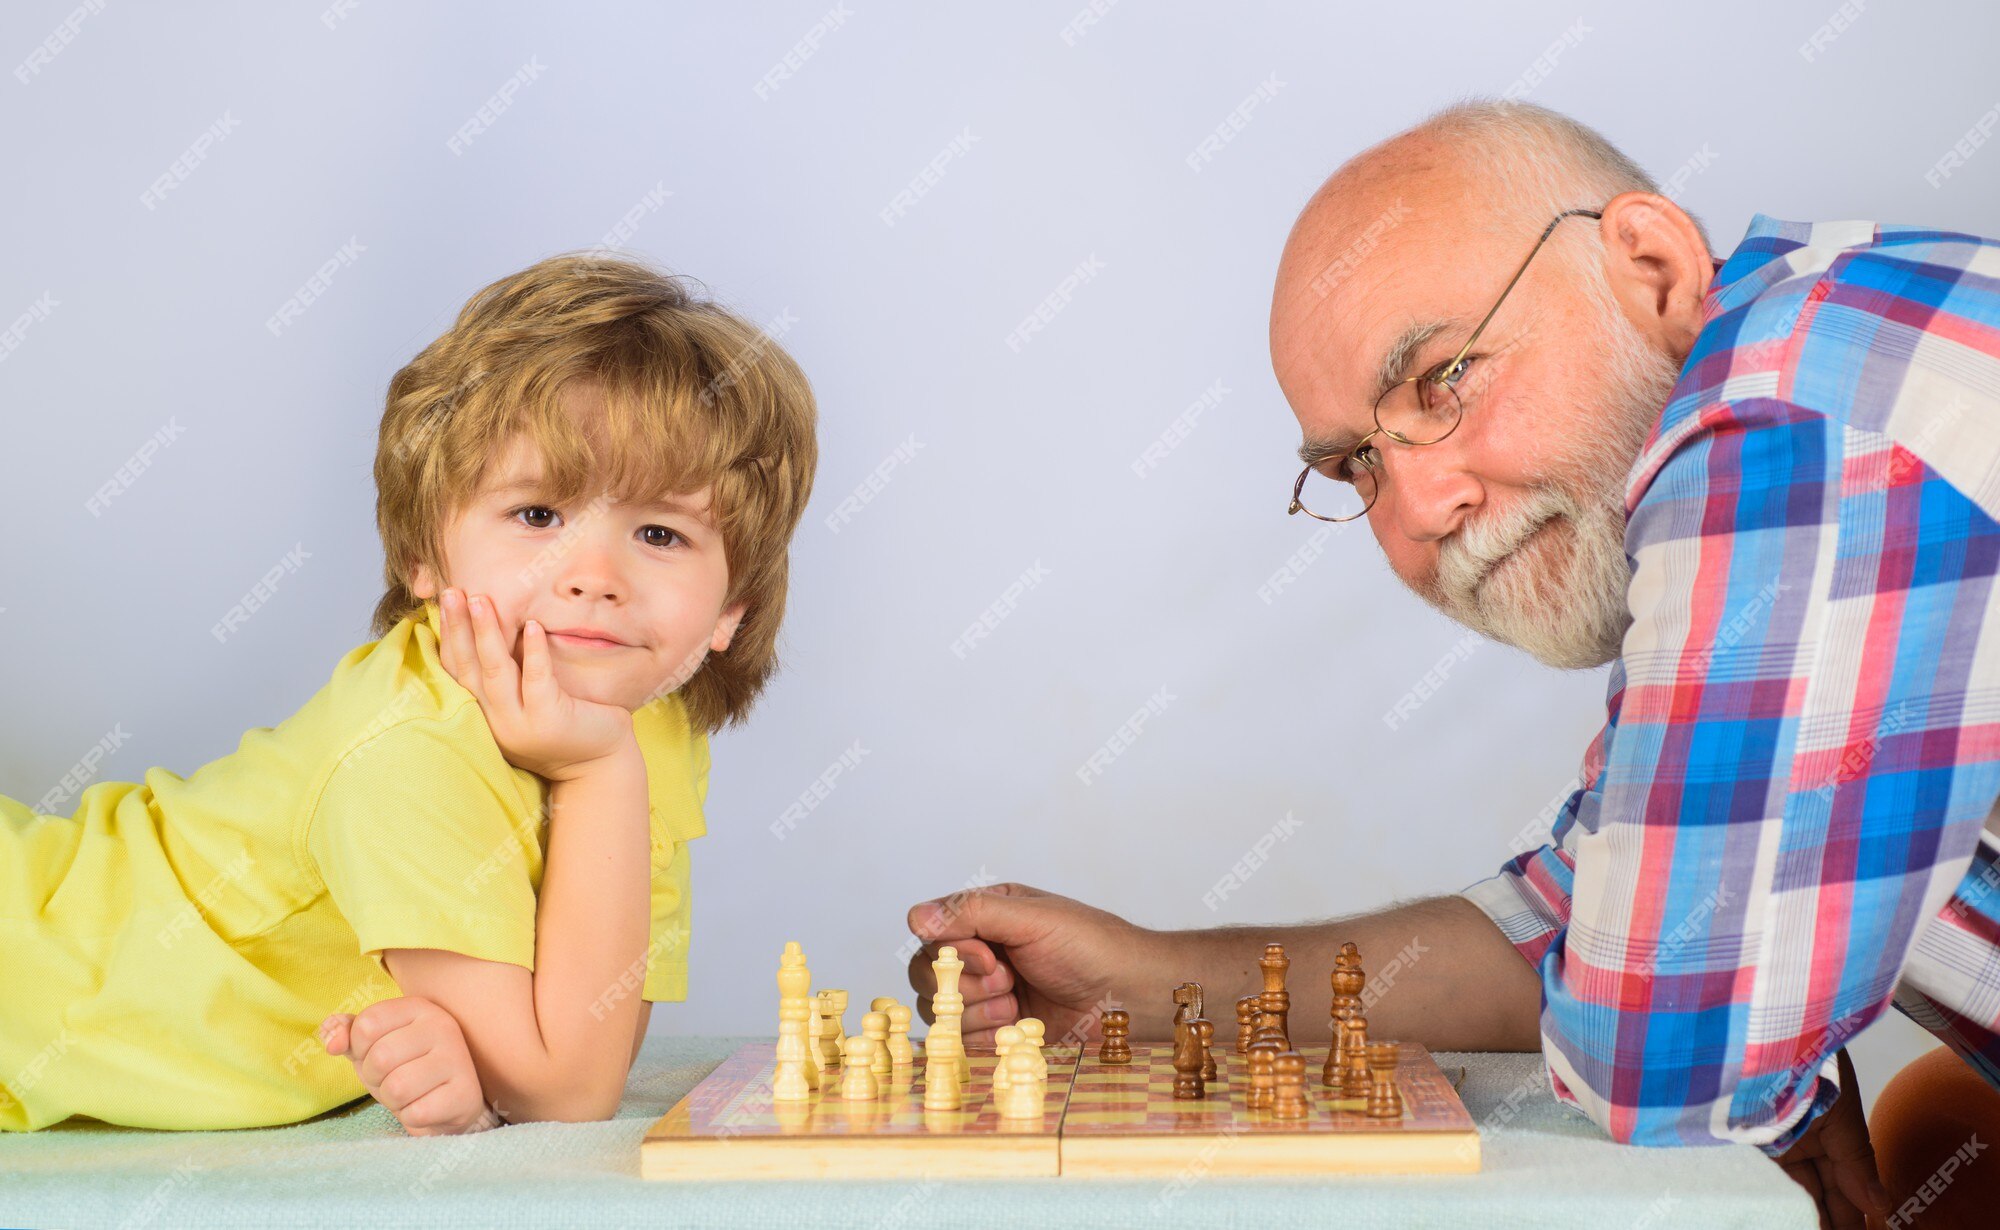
x=1563, y=599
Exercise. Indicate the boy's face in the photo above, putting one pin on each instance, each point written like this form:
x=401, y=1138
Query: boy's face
x=652, y=579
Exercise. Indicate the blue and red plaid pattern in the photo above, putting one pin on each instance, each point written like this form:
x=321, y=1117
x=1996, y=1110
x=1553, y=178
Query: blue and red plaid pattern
x=1787, y=823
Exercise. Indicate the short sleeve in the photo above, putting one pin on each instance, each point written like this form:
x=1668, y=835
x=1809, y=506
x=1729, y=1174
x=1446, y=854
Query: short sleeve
x=423, y=840
x=677, y=762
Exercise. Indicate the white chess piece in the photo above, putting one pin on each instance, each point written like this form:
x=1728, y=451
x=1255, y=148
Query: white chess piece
x=1032, y=1032
x=1023, y=1095
x=789, y=1083
x=901, y=1053
x=1006, y=1040
x=948, y=1007
x=875, y=1025
x=858, y=1080
x=941, y=1083
x=795, y=1068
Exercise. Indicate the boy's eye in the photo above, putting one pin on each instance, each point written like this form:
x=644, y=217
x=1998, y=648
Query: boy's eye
x=539, y=517
x=669, y=538
x=531, y=512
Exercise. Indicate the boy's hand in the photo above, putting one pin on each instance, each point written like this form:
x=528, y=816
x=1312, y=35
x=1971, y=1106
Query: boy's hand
x=539, y=727
x=412, y=1058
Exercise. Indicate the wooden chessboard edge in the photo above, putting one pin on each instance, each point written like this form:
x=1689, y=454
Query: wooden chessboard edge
x=1154, y=1155
x=969, y=1156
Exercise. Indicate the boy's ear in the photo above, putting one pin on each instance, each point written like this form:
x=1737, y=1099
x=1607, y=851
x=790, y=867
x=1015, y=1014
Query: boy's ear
x=420, y=582
x=725, y=626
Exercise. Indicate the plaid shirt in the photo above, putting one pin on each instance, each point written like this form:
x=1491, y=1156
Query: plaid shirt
x=1788, y=822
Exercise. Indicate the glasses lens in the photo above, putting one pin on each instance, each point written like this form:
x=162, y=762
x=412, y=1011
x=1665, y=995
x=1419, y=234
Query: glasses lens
x=1333, y=499
x=1419, y=411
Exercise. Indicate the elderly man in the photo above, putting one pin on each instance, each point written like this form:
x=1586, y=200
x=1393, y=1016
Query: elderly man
x=1765, y=490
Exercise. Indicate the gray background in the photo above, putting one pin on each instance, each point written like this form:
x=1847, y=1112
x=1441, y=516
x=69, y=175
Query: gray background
x=339, y=128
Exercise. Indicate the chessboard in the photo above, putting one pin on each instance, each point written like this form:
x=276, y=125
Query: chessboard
x=1098, y=1120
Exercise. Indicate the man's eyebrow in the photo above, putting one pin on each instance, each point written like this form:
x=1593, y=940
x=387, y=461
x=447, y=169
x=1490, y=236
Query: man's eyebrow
x=1396, y=363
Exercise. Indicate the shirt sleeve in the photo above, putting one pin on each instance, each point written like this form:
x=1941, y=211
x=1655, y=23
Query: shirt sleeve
x=1731, y=897
x=676, y=819
x=425, y=842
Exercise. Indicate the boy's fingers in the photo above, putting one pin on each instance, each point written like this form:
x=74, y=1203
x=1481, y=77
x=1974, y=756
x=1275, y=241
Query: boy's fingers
x=403, y=1085
x=393, y=1050
x=464, y=657
x=333, y=1033
x=496, y=660
x=377, y=1020
x=538, y=684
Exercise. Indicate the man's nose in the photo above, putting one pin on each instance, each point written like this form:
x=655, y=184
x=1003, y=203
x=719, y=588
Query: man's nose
x=1431, y=489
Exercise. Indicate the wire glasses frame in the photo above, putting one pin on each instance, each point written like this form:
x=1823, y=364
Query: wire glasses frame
x=1442, y=378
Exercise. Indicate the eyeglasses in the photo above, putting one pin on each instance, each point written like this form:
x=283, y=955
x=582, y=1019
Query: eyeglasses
x=1419, y=409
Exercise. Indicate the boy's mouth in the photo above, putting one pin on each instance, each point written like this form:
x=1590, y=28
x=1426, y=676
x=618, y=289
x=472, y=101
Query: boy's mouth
x=585, y=638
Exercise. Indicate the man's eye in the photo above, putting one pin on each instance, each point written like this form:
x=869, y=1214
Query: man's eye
x=1357, y=462
x=532, y=510
x=672, y=537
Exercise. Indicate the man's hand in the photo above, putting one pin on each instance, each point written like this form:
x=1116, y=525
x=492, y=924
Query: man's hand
x=1027, y=953
x=412, y=1058
x=538, y=726
x=1834, y=1161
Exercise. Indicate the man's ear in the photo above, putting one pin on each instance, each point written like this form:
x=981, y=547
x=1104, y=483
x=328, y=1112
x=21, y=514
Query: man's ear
x=726, y=625
x=1657, y=265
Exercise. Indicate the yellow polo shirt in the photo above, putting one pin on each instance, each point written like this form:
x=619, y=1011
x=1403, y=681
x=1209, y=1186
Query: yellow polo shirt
x=168, y=952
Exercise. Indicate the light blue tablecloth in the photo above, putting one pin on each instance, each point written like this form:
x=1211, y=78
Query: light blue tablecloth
x=1543, y=1166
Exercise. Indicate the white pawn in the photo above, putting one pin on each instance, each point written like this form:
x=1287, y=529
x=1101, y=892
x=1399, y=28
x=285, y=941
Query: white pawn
x=833, y=1006
x=1005, y=1041
x=901, y=1053
x=1022, y=1096
x=941, y=1083
x=875, y=1025
x=791, y=1082
x=1032, y=1031
x=857, y=1083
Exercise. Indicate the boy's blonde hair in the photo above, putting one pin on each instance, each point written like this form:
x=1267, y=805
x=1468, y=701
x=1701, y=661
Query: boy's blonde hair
x=685, y=393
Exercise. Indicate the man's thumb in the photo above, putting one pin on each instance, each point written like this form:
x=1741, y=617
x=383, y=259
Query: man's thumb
x=973, y=914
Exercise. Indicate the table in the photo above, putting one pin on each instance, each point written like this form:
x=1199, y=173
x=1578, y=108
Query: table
x=1544, y=1165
